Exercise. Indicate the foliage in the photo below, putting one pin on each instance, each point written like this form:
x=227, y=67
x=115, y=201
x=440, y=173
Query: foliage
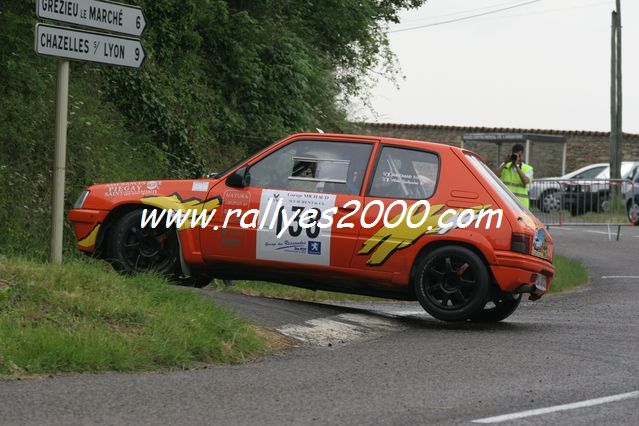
x=221, y=79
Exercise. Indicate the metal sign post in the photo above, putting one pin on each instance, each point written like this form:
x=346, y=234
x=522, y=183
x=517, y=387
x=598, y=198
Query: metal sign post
x=60, y=155
x=82, y=45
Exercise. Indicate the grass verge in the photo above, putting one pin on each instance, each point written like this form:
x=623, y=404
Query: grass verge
x=569, y=274
x=83, y=317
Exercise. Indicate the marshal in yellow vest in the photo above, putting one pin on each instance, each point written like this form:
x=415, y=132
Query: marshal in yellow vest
x=511, y=179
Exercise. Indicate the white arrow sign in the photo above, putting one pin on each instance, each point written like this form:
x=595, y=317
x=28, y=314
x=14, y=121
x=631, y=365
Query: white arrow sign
x=88, y=46
x=94, y=14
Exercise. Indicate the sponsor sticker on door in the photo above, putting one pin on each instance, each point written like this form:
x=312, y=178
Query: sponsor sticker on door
x=311, y=245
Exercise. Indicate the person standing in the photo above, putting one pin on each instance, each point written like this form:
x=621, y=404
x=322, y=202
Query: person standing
x=516, y=174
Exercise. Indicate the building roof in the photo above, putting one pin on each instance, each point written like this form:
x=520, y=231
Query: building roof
x=475, y=129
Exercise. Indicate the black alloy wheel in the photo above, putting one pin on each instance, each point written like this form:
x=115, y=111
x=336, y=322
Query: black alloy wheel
x=452, y=283
x=498, y=309
x=135, y=249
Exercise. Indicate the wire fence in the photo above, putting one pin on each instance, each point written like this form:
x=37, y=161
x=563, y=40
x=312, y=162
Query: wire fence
x=572, y=202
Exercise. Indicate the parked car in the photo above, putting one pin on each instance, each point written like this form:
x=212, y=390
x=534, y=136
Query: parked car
x=545, y=193
x=455, y=273
x=593, y=195
x=631, y=199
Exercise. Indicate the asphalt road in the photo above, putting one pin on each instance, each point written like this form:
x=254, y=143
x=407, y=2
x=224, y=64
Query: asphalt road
x=389, y=363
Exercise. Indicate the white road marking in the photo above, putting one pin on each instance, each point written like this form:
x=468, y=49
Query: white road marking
x=340, y=329
x=625, y=277
x=554, y=409
x=407, y=313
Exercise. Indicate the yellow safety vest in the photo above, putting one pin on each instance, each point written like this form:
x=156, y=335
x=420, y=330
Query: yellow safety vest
x=511, y=179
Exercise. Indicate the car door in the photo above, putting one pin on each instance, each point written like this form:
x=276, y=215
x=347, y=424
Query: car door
x=300, y=178
x=401, y=175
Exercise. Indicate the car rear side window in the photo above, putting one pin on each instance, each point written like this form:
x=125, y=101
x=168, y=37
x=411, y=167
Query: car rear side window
x=405, y=174
x=314, y=166
x=496, y=183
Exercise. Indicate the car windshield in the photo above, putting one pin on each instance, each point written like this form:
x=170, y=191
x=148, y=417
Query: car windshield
x=625, y=171
x=496, y=183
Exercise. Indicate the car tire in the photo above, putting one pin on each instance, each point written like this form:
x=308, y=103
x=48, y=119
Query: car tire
x=452, y=283
x=498, y=309
x=134, y=249
x=549, y=201
x=633, y=212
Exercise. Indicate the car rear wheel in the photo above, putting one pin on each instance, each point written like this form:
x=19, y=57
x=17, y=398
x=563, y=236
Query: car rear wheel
x=498, y=309
x=452, y=283
x=135, y=249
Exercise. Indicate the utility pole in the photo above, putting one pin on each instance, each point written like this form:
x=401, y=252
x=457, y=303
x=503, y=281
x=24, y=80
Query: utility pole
x=616, y=97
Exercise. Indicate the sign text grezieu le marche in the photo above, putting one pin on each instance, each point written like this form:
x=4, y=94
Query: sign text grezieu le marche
x=97, y=14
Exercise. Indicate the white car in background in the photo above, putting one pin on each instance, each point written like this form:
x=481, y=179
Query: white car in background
x=545, y=193
x=593, y=195
x=631, y=199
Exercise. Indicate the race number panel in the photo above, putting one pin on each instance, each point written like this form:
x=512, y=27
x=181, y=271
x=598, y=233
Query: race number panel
x=308, y=246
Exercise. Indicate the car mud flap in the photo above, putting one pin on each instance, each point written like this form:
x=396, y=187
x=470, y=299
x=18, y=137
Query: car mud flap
x=186, y=270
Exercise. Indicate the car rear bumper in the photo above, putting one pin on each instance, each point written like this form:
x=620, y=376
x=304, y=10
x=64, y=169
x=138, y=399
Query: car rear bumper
x=519, y=273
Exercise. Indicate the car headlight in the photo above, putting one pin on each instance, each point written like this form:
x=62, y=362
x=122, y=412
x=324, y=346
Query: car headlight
x=81, y=199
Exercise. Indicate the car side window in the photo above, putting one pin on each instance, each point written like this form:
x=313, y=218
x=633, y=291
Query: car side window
x=590, y=173
x=405, y=174
x=314, y=166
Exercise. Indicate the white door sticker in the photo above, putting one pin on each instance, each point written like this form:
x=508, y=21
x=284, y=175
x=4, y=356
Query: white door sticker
x=296, y=244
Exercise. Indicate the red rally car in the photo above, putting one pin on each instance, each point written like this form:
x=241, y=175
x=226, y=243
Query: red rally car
x=442, y=252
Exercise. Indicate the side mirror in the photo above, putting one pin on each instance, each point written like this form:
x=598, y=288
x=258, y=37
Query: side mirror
x=239, y=179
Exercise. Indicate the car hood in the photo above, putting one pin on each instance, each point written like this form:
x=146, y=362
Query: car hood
x=106, y=196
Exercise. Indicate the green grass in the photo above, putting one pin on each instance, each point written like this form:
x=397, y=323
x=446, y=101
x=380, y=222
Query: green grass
x=569, y=274
x=83, y=317
x=280, y=291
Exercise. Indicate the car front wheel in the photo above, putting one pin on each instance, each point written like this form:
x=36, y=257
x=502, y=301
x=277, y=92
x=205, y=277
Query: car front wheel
x=452, y=283
x=135, y=249
x=550, y=201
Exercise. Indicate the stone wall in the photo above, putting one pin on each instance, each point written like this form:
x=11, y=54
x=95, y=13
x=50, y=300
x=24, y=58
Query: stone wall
x=583, y=147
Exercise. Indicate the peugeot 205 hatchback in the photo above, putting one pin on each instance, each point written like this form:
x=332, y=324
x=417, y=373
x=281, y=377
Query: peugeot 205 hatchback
x=357, y=214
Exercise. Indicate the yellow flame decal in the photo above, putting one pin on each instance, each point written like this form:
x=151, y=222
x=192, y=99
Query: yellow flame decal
x=387, y=240
x=91, y=238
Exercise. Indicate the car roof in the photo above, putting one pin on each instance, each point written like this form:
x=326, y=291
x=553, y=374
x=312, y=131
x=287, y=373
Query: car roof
x=369, y=138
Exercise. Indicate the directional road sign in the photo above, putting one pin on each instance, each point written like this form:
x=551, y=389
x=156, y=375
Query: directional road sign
x=83, y=45
x=102, y=15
